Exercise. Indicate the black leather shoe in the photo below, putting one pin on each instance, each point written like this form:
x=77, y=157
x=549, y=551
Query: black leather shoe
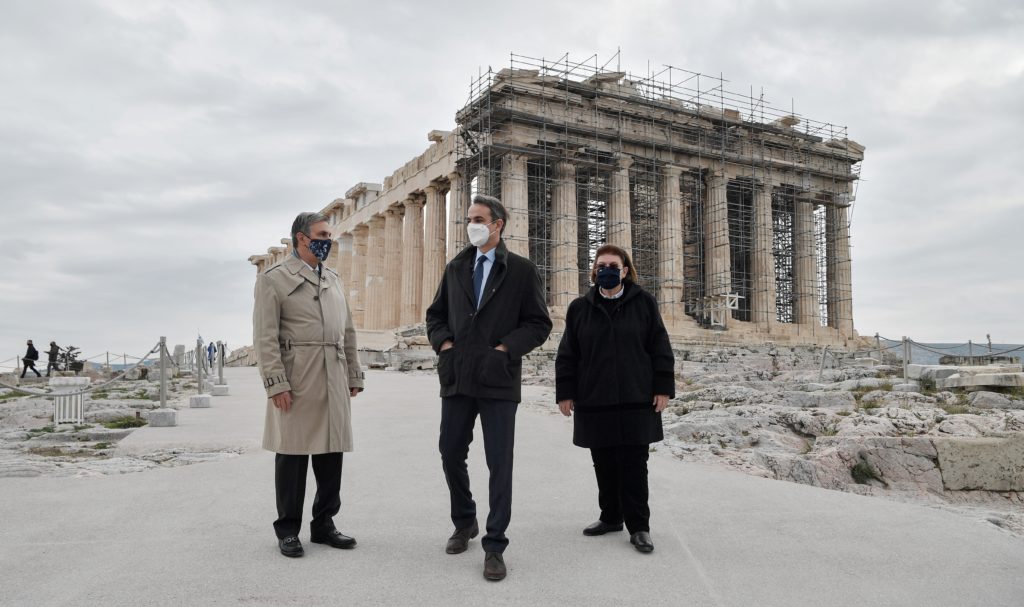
x=494, y=566
x=601, y=528
x=290, y=546
x=641, y=540
x=459, y=540
x=334, y=539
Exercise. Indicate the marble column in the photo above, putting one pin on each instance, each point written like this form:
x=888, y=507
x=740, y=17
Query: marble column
x=670, y=248
x=357, y=282
x=412, y=262
x=458, y=206
x=332, y=258
x=343, y=266
x=392, y=308
x=620, y=220
x=374, y=303
x=763, y=306
x=434, y=221
x=840, y=287
x=483, y=182
x=514, y=197
x=717, y=257
x=805, y=275
x=565, y=273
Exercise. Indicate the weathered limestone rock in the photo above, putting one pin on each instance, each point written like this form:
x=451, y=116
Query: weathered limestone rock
x=991, y=464
x=989, y=400
x=969, y=380
x=908, y=387
x=162, y=418
x=725, y=394
x=806, y=400
x=220, y=390
x=199, y=401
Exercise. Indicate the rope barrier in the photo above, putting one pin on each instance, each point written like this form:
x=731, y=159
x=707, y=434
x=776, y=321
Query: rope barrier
x=1017, y=349
x=926, y=348
x=934, y=348
x=113, y=378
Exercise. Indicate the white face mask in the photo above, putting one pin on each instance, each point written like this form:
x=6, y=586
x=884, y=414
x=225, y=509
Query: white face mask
x=478, y=233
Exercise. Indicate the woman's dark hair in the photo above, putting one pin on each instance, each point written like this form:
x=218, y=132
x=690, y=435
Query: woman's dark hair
x=610, y=249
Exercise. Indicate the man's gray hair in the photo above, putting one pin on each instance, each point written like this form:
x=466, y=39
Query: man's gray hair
x=303, y=223
x=497, y=209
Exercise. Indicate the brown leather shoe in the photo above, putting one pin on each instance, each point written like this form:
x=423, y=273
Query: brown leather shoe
x=494, y=566
x=459, y=541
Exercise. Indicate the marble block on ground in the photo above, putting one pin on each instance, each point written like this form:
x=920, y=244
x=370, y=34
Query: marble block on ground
x=220, y=390
x=199, y=401
x=163, y=418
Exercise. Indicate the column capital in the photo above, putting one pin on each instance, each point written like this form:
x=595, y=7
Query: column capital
x=672, y=170
x=431, y=188
x=624, y=161
x=394, y=211
x=565, y=167
x=514, y=156
x=413, y=202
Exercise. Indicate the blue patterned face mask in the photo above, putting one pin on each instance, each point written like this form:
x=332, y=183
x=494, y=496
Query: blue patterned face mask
x=320, y=248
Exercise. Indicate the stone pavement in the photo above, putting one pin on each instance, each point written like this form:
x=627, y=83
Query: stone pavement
x=201, y=535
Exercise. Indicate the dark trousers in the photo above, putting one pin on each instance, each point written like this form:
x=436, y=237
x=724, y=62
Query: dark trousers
x=622, y=485
x=498, y=421
x=29, y=364
x=51, y=365
x=290, y=482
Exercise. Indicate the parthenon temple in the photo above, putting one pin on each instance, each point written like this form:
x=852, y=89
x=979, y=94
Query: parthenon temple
x=737, y=215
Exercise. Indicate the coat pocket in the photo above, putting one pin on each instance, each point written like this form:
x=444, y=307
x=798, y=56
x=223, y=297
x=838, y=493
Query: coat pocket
x=446, y=367
x=496, y=369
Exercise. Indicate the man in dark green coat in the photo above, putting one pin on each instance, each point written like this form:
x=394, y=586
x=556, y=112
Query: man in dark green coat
x=489, y=312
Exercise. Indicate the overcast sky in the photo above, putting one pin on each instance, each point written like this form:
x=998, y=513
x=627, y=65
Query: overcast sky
x=148, y=148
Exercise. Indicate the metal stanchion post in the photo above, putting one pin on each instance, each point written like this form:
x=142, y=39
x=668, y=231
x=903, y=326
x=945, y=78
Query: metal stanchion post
x=199, y=367
x=163, y=372
x=970, y=351
x=906, y=356
x=878, y=344
x=220, y=363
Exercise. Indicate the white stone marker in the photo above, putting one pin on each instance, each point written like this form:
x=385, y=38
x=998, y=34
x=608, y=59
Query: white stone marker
x=163, y=418
x=199, y=401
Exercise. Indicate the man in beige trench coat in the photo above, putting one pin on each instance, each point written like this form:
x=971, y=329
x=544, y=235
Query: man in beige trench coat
x=306, y=349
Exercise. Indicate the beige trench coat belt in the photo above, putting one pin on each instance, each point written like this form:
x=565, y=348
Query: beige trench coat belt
x=337, y=345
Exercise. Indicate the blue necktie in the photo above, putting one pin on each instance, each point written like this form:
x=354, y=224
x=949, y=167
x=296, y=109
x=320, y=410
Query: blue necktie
x=478, y=279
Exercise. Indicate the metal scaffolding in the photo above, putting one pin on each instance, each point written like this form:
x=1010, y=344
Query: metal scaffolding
x=736, y=213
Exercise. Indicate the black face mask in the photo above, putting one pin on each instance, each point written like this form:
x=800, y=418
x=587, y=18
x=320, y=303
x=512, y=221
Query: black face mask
x=608, y=278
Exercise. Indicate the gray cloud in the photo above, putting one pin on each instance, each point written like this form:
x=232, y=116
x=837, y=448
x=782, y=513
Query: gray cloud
x=148, y=148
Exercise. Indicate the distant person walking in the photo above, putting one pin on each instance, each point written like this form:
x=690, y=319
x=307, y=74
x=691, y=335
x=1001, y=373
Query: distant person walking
x=211, y=353
x=616, y=370
x=305, y=346
x=31, y=356
x=52, y=354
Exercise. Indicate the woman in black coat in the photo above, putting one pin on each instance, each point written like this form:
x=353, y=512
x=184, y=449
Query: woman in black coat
x=616, y=370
